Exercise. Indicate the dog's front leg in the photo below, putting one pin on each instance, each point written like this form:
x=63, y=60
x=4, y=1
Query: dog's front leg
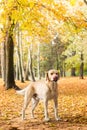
x=56, y=109
x=46, y=110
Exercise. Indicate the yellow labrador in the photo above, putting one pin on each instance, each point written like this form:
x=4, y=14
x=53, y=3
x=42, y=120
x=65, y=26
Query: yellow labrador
x=44, y=90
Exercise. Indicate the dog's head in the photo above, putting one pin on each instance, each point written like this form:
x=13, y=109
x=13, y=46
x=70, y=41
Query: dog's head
x=52, y=75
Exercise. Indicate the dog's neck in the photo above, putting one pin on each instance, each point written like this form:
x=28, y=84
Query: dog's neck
x=51, y=84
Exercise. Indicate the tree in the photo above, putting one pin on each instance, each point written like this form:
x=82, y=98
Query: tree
x=38, y=61
x=9, y=78
x=41, y=20
x=15, y=11
x=3, y=60
x=82, y=66
x=30, y=63
x=8, y=52
x=19, y=54
x=85, y=2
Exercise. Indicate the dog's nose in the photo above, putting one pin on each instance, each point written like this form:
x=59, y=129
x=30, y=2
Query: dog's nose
x=55, y=78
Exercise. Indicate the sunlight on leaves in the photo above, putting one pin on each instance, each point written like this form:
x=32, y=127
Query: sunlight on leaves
x=72, y=2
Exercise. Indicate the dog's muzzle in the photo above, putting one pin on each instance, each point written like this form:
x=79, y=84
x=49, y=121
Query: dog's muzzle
x=55, y=78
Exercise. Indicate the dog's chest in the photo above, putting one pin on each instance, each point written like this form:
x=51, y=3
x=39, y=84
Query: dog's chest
x=52, y=91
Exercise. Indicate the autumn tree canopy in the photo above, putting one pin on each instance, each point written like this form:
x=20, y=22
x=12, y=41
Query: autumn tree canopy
x=42, y=19
x=32, y=22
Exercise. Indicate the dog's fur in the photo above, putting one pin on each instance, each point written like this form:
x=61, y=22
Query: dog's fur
x=45, y=90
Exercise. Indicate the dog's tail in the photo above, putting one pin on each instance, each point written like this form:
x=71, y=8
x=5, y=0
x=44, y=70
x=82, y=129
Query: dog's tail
x=21, y=92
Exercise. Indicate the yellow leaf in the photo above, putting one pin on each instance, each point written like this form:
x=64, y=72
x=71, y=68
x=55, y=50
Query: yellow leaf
x=72, y=2
x=31, y=4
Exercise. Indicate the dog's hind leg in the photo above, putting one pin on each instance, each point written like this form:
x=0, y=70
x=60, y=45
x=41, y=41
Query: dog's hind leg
x=27, y=100
x=24, y=107
x=34, y=104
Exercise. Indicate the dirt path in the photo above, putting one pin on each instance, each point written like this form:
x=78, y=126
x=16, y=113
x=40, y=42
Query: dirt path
x=35, y=124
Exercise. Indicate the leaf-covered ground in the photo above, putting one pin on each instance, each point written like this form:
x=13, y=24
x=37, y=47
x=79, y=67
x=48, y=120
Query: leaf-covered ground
x=72, y=108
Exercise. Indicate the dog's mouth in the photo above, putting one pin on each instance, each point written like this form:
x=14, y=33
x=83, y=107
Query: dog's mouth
x=55, y=79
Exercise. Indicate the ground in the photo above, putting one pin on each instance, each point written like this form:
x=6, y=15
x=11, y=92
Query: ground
x=72, y=108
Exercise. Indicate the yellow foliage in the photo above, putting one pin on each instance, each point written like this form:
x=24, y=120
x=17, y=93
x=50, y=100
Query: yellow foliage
x=59, y=11
x=48, y=1
x=81, y=3
x=31, y=4
x=23, y=2
x=38, y=17
x=72, y=2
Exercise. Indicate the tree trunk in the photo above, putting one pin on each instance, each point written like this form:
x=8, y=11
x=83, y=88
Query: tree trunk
x=17, y=70
x=73, y=71
x=0, y=60
x=30, y=63
x=27, y=69
x=38, y=62
x=9, y=79
x=82, y=67
x=19, y=57
x=85, y=2
x=8, y=49
x=57, y=61
x=3, y=60
x=64, y=72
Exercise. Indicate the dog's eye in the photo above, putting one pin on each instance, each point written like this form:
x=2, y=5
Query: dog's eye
x=51, y=73
x=56, y=73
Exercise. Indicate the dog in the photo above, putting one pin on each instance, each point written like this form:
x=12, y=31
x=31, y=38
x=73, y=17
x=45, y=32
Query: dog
x=42, y=90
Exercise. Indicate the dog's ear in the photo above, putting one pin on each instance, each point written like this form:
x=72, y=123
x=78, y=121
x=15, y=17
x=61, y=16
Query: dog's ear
x=47, y=77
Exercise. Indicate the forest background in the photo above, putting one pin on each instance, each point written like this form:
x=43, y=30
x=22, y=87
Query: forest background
x=38, y=35
x=35, y=36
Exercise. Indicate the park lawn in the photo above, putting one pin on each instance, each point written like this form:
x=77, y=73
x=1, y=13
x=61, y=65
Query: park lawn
x=72, y=108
